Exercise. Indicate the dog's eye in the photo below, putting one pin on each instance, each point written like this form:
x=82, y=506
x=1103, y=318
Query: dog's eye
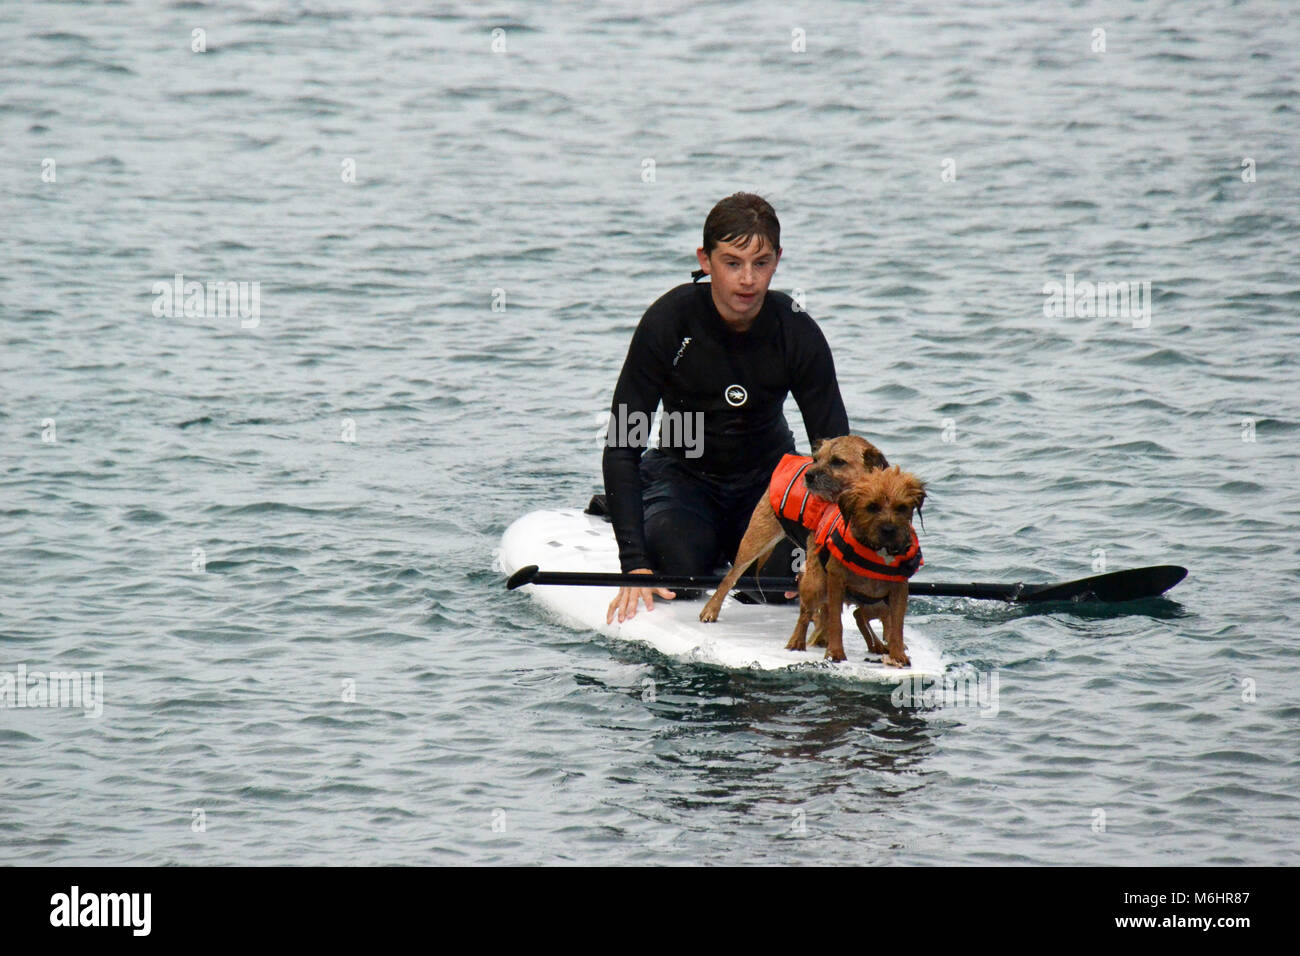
x=837, y=462
x=873, y=508
x=900, y=508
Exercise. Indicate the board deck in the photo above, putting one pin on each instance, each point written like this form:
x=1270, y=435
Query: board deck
x=745, y=636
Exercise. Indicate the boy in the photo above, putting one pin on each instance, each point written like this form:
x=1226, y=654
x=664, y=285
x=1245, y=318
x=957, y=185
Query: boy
x=722, y=355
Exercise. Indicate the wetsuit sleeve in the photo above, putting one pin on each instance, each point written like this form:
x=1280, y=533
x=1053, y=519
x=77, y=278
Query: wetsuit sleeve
x=639, y=389
x=815, y=387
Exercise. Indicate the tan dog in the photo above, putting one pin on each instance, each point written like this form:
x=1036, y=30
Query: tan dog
x=837, y=463
x=866, y=554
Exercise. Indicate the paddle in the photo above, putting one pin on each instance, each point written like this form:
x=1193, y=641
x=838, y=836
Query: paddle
x=1110, y=588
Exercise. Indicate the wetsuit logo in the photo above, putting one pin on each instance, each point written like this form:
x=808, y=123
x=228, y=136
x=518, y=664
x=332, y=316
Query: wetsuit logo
x=677, y=358
x=735, y=395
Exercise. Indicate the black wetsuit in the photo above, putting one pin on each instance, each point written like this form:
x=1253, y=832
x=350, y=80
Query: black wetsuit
x=684, y=507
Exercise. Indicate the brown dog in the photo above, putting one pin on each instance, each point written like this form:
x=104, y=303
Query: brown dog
x=836, y=463
x=866, y=553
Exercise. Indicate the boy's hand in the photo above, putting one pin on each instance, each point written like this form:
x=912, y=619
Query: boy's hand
x=625, y=601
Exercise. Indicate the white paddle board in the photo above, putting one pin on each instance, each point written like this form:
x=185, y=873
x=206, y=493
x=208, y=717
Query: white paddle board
x=745, y=636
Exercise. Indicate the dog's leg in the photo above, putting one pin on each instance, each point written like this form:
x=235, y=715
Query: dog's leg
x=819, y=628
x=897, y=656
x=714, y=605
x=796, y=642
x=819, y=613
x=864, y=620
x=763, y=534
x=835, y=613
x=812, y=597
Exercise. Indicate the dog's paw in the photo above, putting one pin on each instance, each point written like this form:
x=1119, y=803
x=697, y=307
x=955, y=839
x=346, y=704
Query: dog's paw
x=899, y=660
x=796, y=644
x=834, y=656
x=874, y=644
x=710, y=613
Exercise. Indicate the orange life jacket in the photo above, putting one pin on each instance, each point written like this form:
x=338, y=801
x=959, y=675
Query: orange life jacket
x=789, y=495
x=835, y=535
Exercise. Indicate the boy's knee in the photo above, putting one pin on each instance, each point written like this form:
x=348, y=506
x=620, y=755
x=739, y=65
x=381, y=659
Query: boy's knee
x=679, y=543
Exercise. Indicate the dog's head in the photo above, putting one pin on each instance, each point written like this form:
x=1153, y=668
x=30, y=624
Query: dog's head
x=838, y=462
x=879, y=507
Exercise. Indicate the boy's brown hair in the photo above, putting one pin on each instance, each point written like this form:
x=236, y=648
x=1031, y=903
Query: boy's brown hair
x=742, y=216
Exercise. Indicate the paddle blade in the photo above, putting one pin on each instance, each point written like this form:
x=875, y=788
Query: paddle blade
x=1116, y=586
x=521, y=577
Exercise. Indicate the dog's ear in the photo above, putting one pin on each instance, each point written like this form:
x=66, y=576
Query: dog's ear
x=915, y=492
x=850, y=500
x=872, y=459
x=817, y=443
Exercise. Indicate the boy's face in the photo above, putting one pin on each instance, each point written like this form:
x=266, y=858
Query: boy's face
x=740, y=274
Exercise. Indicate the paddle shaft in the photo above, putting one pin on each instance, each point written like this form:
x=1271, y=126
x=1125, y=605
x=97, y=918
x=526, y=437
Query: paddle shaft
x=596, y=578
x=999, y=592
x=1113, y=587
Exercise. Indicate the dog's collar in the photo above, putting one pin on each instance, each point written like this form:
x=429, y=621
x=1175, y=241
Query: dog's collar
x=835, y=535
